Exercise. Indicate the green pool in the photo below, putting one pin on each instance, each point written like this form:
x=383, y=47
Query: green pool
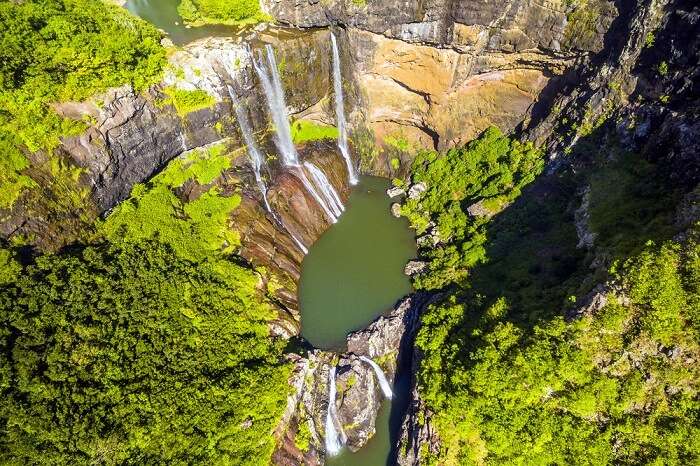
x=354, y=272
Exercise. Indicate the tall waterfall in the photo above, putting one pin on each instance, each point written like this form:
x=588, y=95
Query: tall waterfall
x=327, y=190
x=274, y=95
x=340, y=113
x=256, y=159
x=383, y=382
x=333, y=438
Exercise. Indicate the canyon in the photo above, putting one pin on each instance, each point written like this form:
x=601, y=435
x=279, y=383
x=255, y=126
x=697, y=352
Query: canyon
x=415, y=74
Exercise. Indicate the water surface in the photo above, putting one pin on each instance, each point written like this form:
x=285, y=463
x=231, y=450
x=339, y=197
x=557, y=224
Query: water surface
x=163, y=15
x=354, y=272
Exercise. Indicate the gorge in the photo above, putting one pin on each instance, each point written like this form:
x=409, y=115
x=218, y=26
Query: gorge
x=349, y=232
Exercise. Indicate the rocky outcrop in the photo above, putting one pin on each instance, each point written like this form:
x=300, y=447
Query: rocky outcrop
x=386, y=341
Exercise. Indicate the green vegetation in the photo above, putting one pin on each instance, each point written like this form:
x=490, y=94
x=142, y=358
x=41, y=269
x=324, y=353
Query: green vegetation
x=60, y=50
x=193, y=229
x=151, y=345
x=614, y=387
x=663, y=68
x=305, y=131
x=187, y=101
x=509, y=378
x=234, y=12
x=491, y=170
x=127, y=353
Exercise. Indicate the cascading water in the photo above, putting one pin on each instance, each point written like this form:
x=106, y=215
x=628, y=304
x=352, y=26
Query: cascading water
x=333, y=438
x=340, y=113
x=256, y=159
x=274, y=95
x=383, y=382
x=327, y=190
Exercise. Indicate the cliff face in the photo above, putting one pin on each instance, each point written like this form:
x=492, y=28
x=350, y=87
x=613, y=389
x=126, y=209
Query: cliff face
x=416, y=74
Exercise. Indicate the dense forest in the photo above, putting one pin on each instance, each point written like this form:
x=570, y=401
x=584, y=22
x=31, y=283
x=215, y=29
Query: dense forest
x=541, y=352
x=147, y=342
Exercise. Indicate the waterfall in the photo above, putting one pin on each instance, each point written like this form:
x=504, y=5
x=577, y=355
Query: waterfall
x=256, y=159
x=333, y=438
x=327, y=190
x=383, y=382
x=340, y=112
x=274, y=96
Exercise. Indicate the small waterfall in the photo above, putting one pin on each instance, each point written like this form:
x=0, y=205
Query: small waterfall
x=383, y=382
x=256, y=159
x=274, y=95
x=340, y=112
x=331, y=196
x=333, y=438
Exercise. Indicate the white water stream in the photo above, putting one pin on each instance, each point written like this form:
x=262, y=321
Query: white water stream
x=340, y=113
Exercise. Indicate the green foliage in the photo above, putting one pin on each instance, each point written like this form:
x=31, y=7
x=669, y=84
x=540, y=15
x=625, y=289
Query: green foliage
x=9, y=268
x=491, y=169
x=305, y=130
x=663, y=68
x=59, y=50
x=131, y=354
x=614, y=387
x=629, y=204
x=649, y=39
x=193, y=229
x=235, y=12
x=187, y=101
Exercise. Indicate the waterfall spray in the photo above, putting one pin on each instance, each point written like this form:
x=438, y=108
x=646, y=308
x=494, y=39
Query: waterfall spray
x=383, y=382
x=340, y=112
x=333, y=438
x=256, y=159
x=327, y=189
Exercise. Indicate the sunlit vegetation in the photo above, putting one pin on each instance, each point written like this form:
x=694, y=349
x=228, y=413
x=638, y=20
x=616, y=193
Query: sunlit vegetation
x=151, y=345
x=194, y=229
x=305, y=131
x=492, y=170
x=129, y=353
x=187, y=101
x=534, y=356
x=61, y=50
x=618, y=386
x=234, y=12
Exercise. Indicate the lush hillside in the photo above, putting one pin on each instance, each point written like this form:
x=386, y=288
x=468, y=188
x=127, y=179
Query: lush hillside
x=544, y=350
x=53, y=51
x=151, y=344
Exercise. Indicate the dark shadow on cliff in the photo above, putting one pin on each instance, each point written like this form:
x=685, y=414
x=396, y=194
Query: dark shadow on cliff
x=534, y=259
x=575, y=80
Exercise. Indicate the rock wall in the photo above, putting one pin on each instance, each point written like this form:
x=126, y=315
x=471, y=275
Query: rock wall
x=387, y=341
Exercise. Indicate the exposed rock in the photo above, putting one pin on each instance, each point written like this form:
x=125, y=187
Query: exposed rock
x=396, y=210
x=414, y=267
x=416, y=190
x=395, y=191
x=582, y=222
x=359, y=397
